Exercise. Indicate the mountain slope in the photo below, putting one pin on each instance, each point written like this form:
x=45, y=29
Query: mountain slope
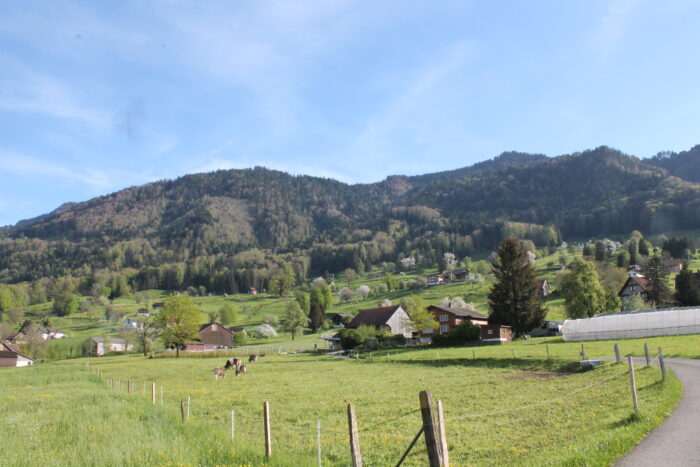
x=594, y=193
x=685, y=165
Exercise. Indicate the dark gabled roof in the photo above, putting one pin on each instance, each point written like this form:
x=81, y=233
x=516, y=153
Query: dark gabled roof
x=9, y=346
x=465, y=312
x=373, y=316
x=541, y=283
x=13, y=354
x=237, y=329
x=639, y=280
x=206, y=325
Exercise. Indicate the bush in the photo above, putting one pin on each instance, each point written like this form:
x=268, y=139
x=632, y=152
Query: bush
x=240, y=338
x=350, y=339
x=465, y=332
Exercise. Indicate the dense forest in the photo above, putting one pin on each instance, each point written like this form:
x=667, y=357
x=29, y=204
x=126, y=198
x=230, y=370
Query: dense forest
x=230, y=230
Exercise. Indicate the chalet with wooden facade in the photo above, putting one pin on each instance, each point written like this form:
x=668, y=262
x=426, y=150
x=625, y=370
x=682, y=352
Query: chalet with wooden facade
x=451, y=317
x=394, y=318
x=635, y=286
x=215, y=336
x=10, y=356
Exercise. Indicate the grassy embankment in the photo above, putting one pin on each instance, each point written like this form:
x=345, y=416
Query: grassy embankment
x=59, y=414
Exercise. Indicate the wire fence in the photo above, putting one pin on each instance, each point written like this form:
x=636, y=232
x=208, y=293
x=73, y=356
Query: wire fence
x=381, y=440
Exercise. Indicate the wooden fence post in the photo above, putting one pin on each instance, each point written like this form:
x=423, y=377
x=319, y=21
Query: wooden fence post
x=617, y=353
x=547, y=345
x=128, y=386
x=646, y=354
x=513, y=352
x=431, y=442
x=583, y=353
x=633, y=385
x=443, y=435
x=233, y=425
x=182, y=410
x=266, y=420
x=188, y=407
x=354, y=438
x=661, y=364
x=153, y=393
x=473, y=355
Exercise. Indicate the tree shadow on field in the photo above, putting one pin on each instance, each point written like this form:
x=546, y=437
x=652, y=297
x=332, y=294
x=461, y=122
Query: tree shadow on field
x=552, y=365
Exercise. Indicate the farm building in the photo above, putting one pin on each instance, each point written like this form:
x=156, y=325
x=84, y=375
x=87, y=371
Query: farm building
x=495, y=334
x=635, y=286
x=632, y=324
x=449, y=318
x=11, y=357
x=393, y=317
x=542, y=288
x=98, y=346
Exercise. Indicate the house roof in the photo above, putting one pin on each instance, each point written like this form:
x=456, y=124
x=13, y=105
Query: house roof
x=673, y=262
x=9, y=346
x=639, y=280
x=206, y=325
x=12, y=354
x=465, y=312
x=373, y=316
x=237, y=329
x=541, y=283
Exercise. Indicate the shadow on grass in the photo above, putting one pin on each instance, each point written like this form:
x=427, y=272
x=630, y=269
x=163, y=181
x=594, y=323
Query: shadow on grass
x=631, y=419
x=553, y=365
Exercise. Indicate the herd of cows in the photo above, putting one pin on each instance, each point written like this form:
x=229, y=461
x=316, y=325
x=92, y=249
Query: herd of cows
x=237, y=365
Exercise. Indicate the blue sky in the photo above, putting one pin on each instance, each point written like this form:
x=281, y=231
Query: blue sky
x=99, y=96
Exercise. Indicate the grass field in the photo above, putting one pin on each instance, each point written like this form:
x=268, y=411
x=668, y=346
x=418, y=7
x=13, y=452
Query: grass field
x=500, y=410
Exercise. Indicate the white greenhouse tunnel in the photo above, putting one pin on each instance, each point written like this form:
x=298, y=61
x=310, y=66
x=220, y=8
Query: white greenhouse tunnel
x=638, y=323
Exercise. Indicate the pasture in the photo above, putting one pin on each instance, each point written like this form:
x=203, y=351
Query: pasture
x=527, y=410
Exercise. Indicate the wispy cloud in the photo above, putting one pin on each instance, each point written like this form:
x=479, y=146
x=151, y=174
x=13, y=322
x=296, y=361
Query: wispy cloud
x=12, y=163
x=614, y=26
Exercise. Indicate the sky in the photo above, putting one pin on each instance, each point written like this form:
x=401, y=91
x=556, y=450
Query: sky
x=100, y=96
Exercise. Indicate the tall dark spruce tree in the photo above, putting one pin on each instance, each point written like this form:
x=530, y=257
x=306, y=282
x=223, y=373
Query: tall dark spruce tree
x=660, y=294
x=513, y=298
x=687, y=287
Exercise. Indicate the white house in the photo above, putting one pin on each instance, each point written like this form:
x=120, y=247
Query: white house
x=101, y=346
x=10, y=356
x=394, y=318
x=50, y=333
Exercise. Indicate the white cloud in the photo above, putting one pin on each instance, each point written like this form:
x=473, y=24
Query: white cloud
x=614, y=26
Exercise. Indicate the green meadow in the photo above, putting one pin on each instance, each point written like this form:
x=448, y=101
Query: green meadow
x=500, y=410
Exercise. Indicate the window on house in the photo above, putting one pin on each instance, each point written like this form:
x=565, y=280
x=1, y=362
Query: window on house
x=444, y=318
x=428, y=331
x=444, y=328
x=213, y=327
x=490, y=331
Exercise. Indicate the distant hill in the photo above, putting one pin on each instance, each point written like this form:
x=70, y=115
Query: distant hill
x=335, y=225
x=685, y=165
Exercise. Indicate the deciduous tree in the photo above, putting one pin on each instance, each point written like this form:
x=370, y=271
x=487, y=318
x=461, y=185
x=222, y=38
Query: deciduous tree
x=179, y=321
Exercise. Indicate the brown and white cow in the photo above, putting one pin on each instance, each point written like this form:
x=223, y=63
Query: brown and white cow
x=252, y=358
x=241, y=370
x=219, y=373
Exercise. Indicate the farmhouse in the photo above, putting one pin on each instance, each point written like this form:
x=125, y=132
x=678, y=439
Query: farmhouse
x=99, y=345
x=673, y=265
x=11, y=357
x=436, y=280
x=217, y=336
x=143, y=312
x=393, y=317
x=451, y=317
x=131, y=323
x=542, y=288
x=635, y=286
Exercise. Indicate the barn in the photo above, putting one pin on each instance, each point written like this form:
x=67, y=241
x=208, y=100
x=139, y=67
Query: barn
x=11, y=357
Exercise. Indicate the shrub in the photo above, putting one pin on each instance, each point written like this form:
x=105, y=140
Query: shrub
x=240, y=338
x=350, y=339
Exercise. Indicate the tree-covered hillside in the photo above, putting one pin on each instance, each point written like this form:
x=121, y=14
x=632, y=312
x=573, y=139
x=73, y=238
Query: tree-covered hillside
x=234, y=220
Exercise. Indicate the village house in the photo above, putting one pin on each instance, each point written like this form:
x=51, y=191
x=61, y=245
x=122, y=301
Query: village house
x=99, y=346
x=673, y=265
x=495, y=334
x=143, y=312
x=436, y=279
x=635, y=286
x=10, y=356
x=457, y=275
x=131, y=324
x=50, y=333
x=451, y=317
x=158, y=305
x=542, y=288
x=394, y=318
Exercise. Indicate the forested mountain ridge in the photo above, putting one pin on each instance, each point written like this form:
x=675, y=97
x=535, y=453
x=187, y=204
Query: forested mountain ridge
x=330, y=225
x=685, y=164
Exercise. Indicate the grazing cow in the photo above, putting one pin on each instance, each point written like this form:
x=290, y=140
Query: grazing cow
x=219, y=373
x=241, y=370
x=232, y=363
x=252, y=358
